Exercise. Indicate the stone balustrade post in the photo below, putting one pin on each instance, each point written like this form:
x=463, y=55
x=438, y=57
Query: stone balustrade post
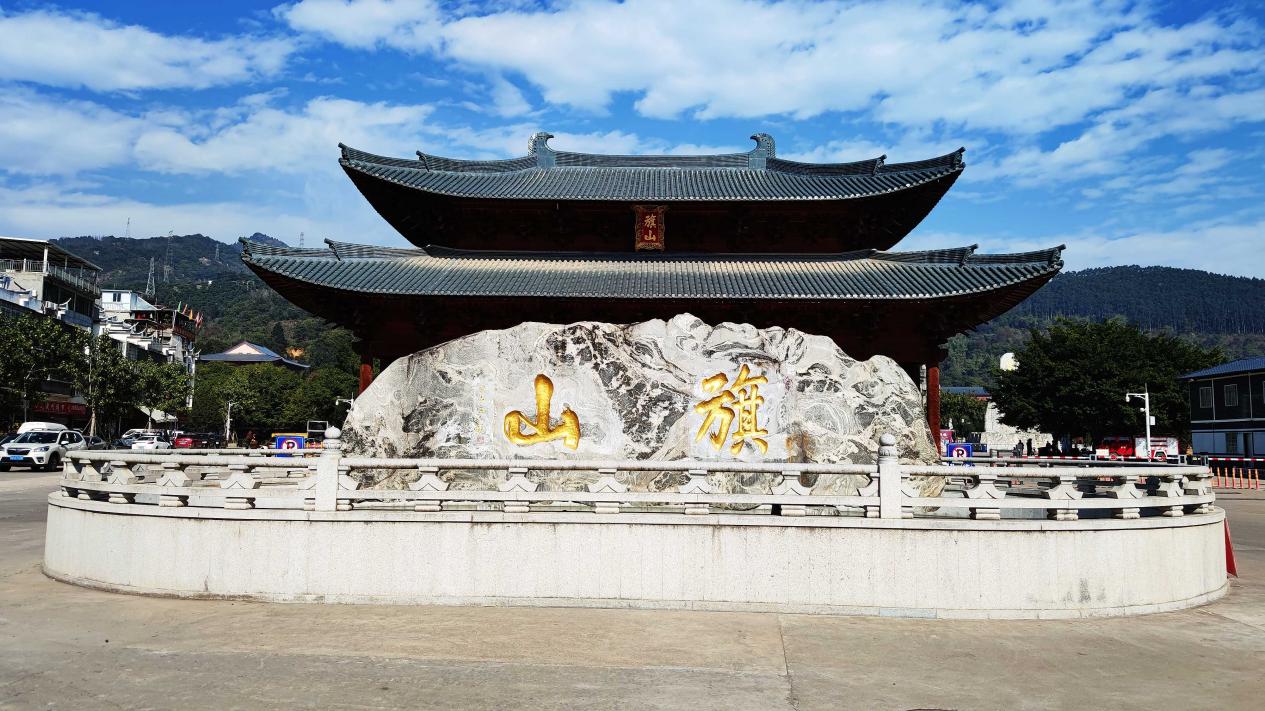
x=890, y=478
x=327, y=466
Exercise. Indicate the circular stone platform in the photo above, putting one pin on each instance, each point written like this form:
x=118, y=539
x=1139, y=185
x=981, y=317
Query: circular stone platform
x=927, y=567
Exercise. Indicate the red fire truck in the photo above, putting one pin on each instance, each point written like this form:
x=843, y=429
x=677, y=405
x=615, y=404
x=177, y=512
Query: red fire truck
x=1129, y=447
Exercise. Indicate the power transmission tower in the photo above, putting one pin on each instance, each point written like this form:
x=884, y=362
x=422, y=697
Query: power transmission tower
x=149, y=283
x=127, y=231
x=217, y=251
x=300, y=240
x=167, y=259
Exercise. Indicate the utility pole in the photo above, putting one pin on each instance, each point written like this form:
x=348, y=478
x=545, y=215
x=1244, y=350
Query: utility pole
x=1145, y=396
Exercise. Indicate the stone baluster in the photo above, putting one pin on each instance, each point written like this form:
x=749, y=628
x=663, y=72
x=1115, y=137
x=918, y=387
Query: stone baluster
x=238, y=487
x=1126, y=489
x=791, y=486
x=1064, y=489
x=870, y=492
x=1170, y=487
x=697, y=484
x=1199, y=485
x=517, y=482
x=428, y=481
x=890, y=475
x=346, y=482
x=325, y=486
x=173, y=476
x=607, y=484
x=985, y=490
x=122, y=476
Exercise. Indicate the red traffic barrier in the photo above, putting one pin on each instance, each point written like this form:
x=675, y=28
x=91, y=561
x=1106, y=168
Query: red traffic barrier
x=1230, y=567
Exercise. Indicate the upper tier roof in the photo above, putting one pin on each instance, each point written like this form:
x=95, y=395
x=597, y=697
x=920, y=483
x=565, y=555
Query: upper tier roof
x=860, y=275
x=546, y=174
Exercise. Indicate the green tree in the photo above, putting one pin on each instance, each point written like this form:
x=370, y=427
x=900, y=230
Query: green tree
x=107, y=382
x=314, y=398
x=1072, y=379
x=966, y=412
x=260, y=394
x=34, y=349
x=160, y=386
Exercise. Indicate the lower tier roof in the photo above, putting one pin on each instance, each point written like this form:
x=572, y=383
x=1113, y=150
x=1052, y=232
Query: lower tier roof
x=864, y=275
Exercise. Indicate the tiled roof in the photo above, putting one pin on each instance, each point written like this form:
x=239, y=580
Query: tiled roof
x=546, y=174
x=265, y=354
x=1246, y=365
x=860, y=275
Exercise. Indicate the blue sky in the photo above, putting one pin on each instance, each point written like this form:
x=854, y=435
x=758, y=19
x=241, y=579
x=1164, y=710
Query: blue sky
x=1134, y=132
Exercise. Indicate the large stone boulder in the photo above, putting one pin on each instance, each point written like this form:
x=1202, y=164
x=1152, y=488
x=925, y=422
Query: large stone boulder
x=678, y=389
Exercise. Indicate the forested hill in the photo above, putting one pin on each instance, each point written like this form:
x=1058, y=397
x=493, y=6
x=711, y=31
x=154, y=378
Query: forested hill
x=1184, y=300
x=1210, y=309
x=186, y=258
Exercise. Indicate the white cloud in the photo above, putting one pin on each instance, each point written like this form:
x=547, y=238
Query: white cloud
x=85, y=50
x=47, y=211
x=41, y=136
x=363, y=24
x=1223, y=246
x=263, y=138
x=1022, y=67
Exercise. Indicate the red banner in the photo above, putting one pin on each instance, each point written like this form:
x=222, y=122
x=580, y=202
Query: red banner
x=72, y=409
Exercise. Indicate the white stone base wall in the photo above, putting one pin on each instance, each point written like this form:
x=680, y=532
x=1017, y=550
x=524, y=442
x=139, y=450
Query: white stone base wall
x=914, y=567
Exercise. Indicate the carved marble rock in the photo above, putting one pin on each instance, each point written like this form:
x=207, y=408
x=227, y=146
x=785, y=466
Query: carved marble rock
x=634, y=391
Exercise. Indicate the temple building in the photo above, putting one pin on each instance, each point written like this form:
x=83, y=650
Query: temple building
x=558, y=236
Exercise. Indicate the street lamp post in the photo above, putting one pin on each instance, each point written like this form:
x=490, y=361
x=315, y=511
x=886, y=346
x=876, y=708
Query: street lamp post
x=1145, y=396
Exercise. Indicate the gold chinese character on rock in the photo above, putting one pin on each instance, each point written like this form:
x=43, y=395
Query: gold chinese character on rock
x=567, y=429
x=738, y=403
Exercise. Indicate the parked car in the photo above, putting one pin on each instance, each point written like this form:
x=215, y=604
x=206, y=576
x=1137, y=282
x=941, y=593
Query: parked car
x=7, y=439
x=95, y=442
x=197, y=440
x=40, y=449
x=151, y=441
x=125, y=441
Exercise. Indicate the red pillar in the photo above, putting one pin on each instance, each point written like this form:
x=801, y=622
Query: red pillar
x=933, y=403
x=366, y=371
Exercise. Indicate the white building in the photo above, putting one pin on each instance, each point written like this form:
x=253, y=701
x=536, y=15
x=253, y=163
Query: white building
x=144, y=330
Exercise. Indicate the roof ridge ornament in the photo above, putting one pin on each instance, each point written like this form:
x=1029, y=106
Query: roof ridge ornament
x=333, y=248
x=878, y=163
x=538, y=145
x=967, y=252
x=765, y=148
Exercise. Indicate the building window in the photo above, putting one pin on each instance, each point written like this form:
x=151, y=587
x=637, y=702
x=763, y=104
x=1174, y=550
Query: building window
x=1231, y=396
x=1205, y=398
x=1231, y=442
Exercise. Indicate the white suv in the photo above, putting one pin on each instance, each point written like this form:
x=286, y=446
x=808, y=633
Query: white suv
x=40, y=449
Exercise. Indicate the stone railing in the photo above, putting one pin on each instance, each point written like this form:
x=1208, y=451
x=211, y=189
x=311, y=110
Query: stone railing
x=322, y=481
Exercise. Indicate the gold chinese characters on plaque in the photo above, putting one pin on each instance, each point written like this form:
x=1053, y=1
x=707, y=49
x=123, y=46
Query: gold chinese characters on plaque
x=649, y=229
x=540, y=429
x=735, y=410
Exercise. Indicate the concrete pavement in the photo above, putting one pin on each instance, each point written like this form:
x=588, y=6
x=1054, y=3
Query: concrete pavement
x=67, y=647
